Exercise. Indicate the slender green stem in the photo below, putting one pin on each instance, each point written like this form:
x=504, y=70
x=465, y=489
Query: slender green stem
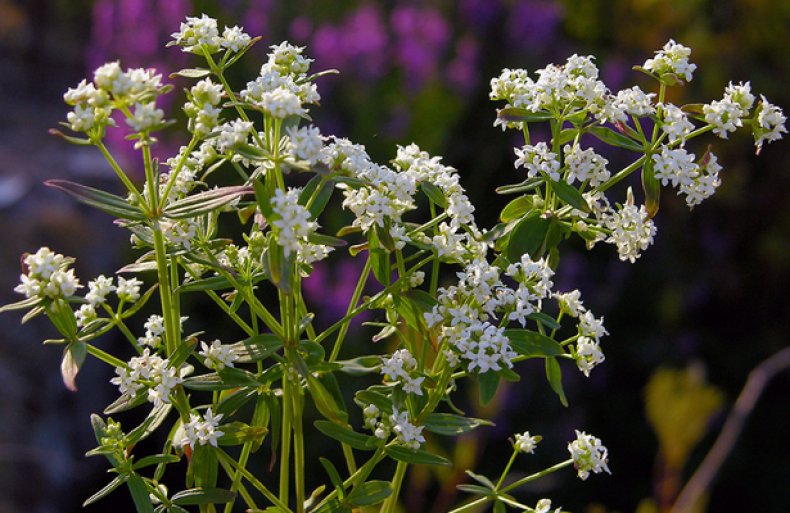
x=360, y=475
x=435, y=266
x=507, y=469
x=118, y=322
x=298, y=446
x=118, y=171
x=472, y=505
x=225, y=459
x=243, y=457
x=346, y=321
x=285, y=436
x=225, y=307
x=537, y=475
x=622, y=174
x=171, y=181
x=392, y=501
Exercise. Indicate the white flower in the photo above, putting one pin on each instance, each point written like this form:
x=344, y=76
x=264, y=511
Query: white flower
x=725, y=115
x=217, y=356
x=84, y=315
x=544, y=505
x=675, y=124
x=584, y=165
x=398, y=369
x=673, y=58
x=233, y=134
x=306, y=142
x=635, y=102
x=631, y=230
x=537, y=160
x=293, y=222
x=526, y=442
x=289, y=59
x=770, y=123
x=282, y=103
x=146, y=116
x=588, y=455
x=234, y=38
x=197, y=33
x=570, y=302
x=406, y=433
x=202, y=431
x=588, y=354
x=675, y=166
x=98, y=290
x=147, y=371
x=416, y=279
x=128, y=290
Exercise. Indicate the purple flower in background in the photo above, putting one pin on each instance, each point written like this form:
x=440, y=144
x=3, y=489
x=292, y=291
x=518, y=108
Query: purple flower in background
x=462, y=71
x=256, y=18
x=532, y=24
x=421, y=39
x=357, y=45
x=329, y=288
x=479, y=14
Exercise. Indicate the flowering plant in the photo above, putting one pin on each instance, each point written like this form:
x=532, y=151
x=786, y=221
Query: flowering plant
x=219, y=402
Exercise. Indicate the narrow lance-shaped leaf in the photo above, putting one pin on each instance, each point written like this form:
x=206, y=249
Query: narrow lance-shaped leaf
x=554, y=375
x=369, y=493
x=570, y=195
x=515, y=115
x=73, y=358
x=104, y=201
x=203, y=202
x=418, y=457
x=527, y=237
x=609, y=136
x=533, y=344
x=652, y=187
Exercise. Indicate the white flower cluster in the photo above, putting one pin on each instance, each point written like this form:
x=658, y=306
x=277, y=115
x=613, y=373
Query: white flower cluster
x=726, y=114
x=147, y=371
x=544, y=506
x=587, y=352
x=181, y=232
x=217, y=356
x=463, y=311
x=526, y=443
x=128, y=290
x=630, y=229
x=770, y=123
x=588, y=454
x=282, y=87
x=201, y=430
x=202, y=34
x=305, y=143
x=399, y=368
x=232, y=134
x=585, y=166
x=293, y=227
x=406, y=433
x=538, y=161
x=48, y=276
x=675, y=124
x=203, y=108
x=673, y=58
x=154, y=329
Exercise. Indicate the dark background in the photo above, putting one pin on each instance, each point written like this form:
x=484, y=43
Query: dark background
x=710, y=292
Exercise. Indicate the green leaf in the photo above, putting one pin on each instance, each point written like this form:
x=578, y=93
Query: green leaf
x=156, y=459
x=21, y=305
x=379, y=259
x=322, y=198
x=449, y=424
x=567, y=135
x=196, y=496
x=203, y=202
x=418, y=457
x=231, y=403
x=528, y=237
x=374, y=397
x=251, y=152
x=125, y=402
x=62, y=317
x=533, y=344
x=499, y=507
x=570, y=195
x=488, y=383
x=80, y=141
x=139, y=491
x=361, y=365
x=544, y=319
x=326, y=240
x=613, y=138
x=334, y=475
x=652, y=187
x=554, y=375
x=516, y=188
x=324, y=401
x=104, y=492
x=369, y=493
x=516, y=209
x=434, y=193
x=73, y=358
x=104, y=201
x=191, y=73
x=237, y=433
x=516, y=115
x=475, y=489
x=483, y=480
x=150, y=424
x=256, y=348
x=203, y=284
x=346, y=435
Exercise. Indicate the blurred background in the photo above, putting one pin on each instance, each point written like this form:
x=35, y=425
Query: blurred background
x=688, y=321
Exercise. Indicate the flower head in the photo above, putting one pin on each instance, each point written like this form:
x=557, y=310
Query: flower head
x=588, y=454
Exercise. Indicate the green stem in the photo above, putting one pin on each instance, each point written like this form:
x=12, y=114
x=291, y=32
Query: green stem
x=397, y=480
x=285, y=436
x=298, y=446
x=225, y=459
x=346, y=321
x=507, y=469
x=179, y=166
x=360, y=475
x=537, y=475
x=243, y=457
x=622, y=174
x=118, y=171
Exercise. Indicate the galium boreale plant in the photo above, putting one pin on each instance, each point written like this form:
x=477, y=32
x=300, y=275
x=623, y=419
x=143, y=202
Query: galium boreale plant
x=224, y=399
